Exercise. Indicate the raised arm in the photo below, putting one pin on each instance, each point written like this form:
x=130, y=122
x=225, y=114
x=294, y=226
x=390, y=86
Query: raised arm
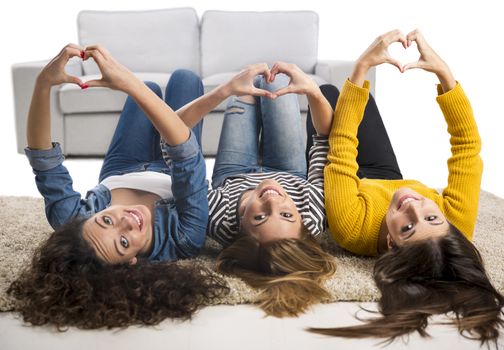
x=461, y=196
x=240, y=85
x=116, y=76
x=62, y=202
x=38, y=130
x=347, y=207
x=301, y=83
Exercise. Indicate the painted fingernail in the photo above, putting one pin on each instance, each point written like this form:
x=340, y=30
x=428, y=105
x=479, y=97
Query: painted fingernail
x=82, y=54
x=84, y=86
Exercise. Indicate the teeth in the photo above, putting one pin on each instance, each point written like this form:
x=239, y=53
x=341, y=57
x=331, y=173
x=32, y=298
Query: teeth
x=137, y=219
x=408, y=200
x=272, y=192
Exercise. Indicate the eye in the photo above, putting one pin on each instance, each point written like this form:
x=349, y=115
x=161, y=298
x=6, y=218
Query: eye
x=431, y=218
x=107, y=220
x=124, y=242
x=286, y=215
x=259, y=217
x=406, y=228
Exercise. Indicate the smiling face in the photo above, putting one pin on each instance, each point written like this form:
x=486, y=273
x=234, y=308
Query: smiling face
x=412, y=217
x=120, y=233
x=268, y=213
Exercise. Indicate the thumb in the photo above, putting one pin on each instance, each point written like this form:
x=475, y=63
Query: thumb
x=95, y=83
x=396, y=63
x=261, y=92
x=72, y=79
x=283, y=91
x=411, y=66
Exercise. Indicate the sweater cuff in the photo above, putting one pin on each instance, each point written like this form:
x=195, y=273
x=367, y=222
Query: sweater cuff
x=455, y=106
x=365, y=86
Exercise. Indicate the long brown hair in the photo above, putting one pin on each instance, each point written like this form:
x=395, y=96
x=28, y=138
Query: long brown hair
x=434, y=276
x=288, y=272
x=67, y=285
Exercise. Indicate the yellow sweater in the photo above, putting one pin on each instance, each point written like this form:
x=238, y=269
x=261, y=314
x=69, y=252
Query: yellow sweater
x=356, y=207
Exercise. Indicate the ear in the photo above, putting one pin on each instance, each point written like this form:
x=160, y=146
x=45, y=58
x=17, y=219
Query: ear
x=390, y=241
x=133, y=260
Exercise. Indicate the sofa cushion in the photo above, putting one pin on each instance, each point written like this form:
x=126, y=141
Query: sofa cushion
x=211, y=82
x=144, y=41
x=72, y=99
x=232, y=40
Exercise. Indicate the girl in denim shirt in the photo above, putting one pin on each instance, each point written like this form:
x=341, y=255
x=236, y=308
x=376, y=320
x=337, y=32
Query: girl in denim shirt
x=107, y=262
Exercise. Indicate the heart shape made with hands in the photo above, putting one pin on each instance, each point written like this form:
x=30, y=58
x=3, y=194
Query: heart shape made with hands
x=404, y=56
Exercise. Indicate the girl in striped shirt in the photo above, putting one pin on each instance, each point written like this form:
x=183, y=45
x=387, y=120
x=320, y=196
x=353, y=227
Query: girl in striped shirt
x=265, y=208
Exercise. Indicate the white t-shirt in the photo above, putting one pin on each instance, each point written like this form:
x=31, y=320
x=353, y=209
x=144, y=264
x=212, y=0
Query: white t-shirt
x=148, y=181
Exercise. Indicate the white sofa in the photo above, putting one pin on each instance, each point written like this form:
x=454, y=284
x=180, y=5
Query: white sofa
x=155, y=43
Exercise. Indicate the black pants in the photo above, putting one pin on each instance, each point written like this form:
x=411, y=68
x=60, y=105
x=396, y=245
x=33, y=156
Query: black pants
x=376, y=157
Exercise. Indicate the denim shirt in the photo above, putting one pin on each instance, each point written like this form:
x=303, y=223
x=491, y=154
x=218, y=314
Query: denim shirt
x=179, y=223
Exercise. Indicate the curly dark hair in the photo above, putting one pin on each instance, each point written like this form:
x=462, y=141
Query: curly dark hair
x=67, y=285
x=442, y=275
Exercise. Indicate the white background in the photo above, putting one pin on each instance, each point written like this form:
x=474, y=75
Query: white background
x=467, y=34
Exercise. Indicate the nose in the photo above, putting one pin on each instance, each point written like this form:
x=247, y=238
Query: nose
x=127, y=223
x=415, y=209
x=271, y=204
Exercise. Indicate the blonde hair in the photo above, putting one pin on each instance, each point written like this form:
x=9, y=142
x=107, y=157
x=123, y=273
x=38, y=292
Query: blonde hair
x=289, y=272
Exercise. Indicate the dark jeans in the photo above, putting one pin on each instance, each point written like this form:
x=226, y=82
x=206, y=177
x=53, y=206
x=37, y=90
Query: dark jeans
x=135, y=144
x=376, y=157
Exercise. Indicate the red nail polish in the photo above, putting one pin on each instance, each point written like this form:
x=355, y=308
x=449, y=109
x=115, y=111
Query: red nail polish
x=84, y=86
x=82, y=54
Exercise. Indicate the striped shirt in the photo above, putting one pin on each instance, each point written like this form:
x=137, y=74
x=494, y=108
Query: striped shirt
x=308, y=195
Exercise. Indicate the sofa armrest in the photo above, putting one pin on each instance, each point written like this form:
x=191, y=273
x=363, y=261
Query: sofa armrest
x=336, y=72
x=23, y=78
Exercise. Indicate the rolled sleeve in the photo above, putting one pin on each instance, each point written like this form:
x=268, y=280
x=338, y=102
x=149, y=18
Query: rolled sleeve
x=45, y=159
x=186, y=150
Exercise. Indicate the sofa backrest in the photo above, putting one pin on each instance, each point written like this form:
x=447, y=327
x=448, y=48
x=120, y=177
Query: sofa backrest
x=144, y=41
x=232, y=40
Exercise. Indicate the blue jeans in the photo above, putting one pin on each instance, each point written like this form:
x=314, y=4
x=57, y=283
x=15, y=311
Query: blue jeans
x=135, y=144
x=263, y=137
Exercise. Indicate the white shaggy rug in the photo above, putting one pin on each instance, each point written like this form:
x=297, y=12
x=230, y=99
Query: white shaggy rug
x=23, y=226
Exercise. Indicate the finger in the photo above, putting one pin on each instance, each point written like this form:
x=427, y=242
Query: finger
x=398, y=36
x=95, y=54
x=100, y=48
x=264, y=70
x=277, y=68
x=285, y=68
x=259, y=68
x=94, y=83
x=415, y=36
x=394, y=36
x=69, y=52
x=75, y=46
x=267, y=75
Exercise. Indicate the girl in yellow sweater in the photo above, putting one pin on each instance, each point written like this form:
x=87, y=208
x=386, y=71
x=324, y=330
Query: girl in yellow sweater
x=427, y=264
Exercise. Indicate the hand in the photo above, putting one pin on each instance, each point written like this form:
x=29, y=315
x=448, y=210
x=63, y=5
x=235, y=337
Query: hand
x=300, y=82
x=377, y=53
x=54, y=72
x=243, y=83
x=429, y=60
x=114, y=75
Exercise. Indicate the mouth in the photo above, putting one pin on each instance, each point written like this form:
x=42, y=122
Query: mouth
x=406, y=199
x=135, y=214
x=269, y=191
